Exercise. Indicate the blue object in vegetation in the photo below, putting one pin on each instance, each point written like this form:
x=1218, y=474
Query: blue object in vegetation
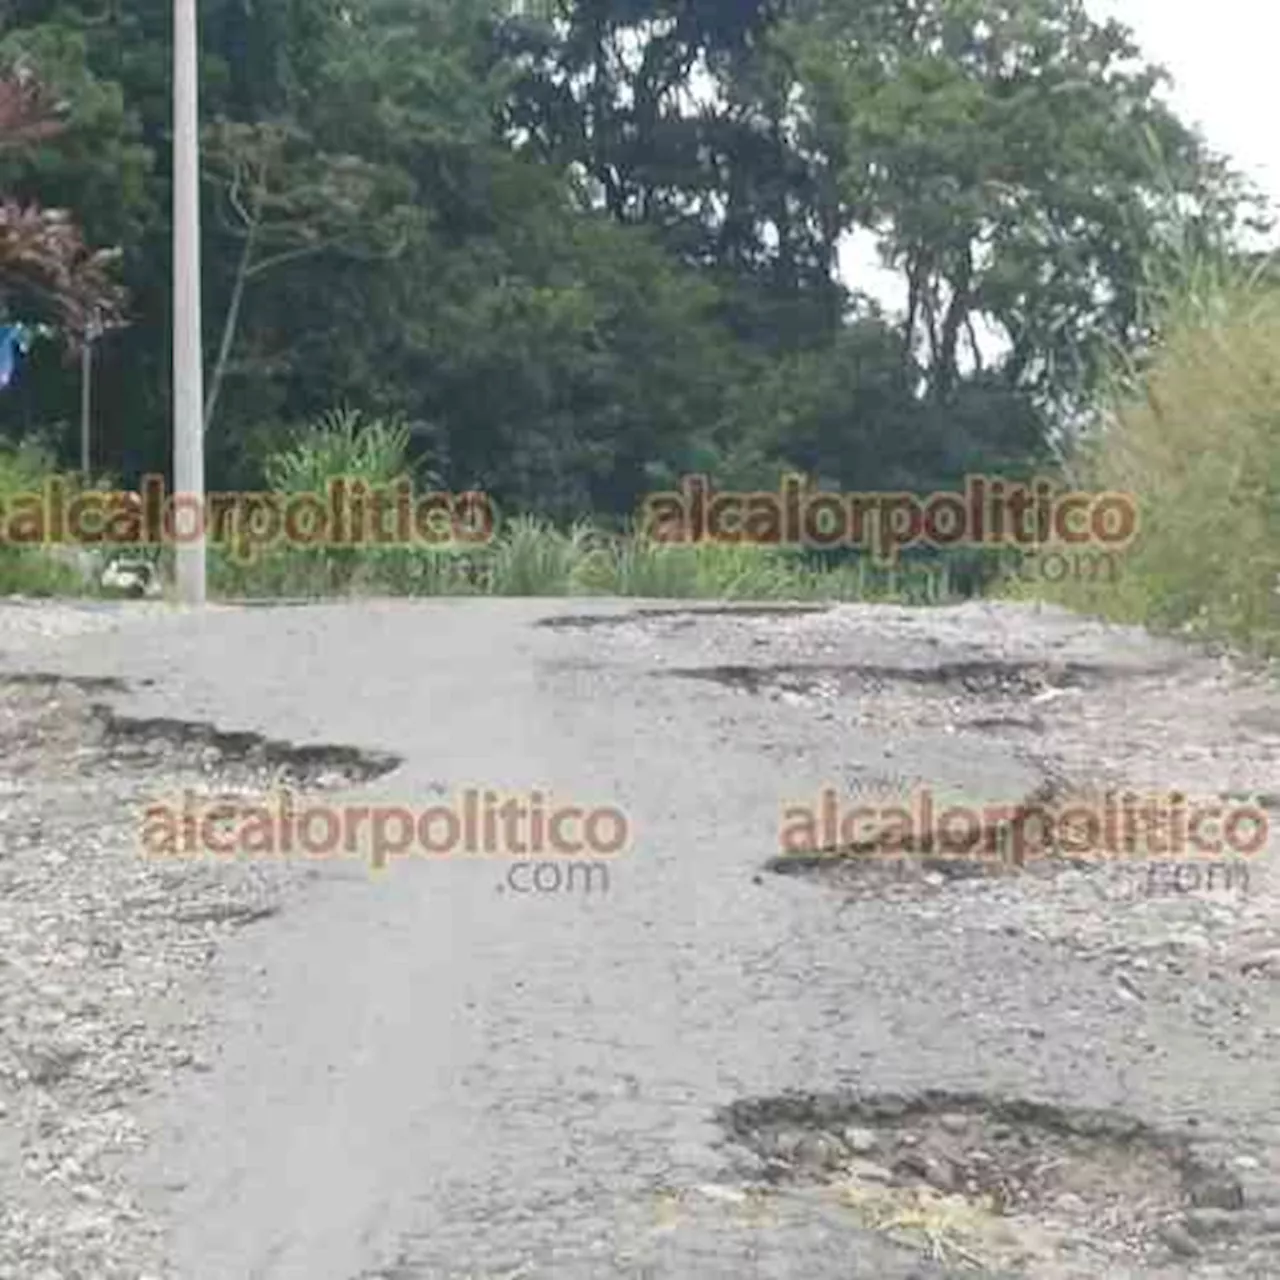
x=15, y=342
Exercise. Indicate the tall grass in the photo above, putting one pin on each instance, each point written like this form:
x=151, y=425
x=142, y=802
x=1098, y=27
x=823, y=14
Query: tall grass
x=527, y=557
x=340, y=445
x=531, y=557
x=33, y=570
x=1191, y=428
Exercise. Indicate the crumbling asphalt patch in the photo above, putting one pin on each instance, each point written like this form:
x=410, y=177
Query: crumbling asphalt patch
x=689, y=616
x=104, y=945
x=993, y=1182
x=976, y=679
x=92, y=735
x=893, y=864
x=319, y=766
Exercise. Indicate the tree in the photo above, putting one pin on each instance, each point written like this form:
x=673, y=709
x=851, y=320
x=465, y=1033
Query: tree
x=287, y=202
x=42, y=253
x=1016, y=163
x=580, y=244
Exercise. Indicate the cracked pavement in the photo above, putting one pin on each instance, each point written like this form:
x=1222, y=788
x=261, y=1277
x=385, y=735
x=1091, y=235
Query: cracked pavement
x=419, y=1074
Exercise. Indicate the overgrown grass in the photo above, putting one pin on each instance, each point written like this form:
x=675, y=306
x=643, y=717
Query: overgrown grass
x=340, y=445
x=32, y=570
x=532, y=558
x=1193, y=433
x=527, y=557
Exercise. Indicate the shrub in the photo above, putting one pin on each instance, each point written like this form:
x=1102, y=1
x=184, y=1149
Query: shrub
x=340, y=445
x=1192, y=431
x=37, y=570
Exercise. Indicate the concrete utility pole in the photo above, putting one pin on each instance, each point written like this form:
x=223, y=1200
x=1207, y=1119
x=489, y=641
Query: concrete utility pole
x=86, y=402
x=93, y=331
x=188, y=358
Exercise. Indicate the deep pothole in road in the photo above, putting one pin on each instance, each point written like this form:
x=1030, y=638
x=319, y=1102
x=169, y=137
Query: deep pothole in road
x=979, y=679
x=80, y=776
x=685, y=617
x=318, y=766
x=46, y=718
x=989, y=1182
x=905, y=875
x=907, y=846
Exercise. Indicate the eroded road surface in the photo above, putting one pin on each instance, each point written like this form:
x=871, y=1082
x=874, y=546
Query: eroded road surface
x=690, y=1059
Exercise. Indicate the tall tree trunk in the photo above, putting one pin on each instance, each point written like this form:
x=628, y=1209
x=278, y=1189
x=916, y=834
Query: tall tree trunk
x=946, y=369
x=229, y=327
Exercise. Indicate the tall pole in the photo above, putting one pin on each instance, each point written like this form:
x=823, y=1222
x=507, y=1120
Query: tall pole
x=86, y=401
x=188, y=359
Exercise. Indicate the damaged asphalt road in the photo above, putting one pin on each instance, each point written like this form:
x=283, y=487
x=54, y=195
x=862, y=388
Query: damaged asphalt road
x=428, y=1072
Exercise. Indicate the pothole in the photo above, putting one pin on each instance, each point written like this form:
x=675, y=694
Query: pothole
x=78, y=776
x=975, y=679
x=58, y=716
x=987, y=1181
x=1006, y=724
x=686, y=616
x=314, y=766
x=902, y=856
x=907, y=875
x=50, y=681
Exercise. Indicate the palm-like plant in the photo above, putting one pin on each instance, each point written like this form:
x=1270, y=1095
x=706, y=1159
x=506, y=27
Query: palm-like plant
x=342, y=444
x=42, y=252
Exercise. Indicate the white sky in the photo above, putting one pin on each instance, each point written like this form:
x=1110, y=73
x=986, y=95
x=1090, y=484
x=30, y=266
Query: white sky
x=1221, y=55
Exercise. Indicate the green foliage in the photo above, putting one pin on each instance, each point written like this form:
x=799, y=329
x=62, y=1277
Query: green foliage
x=575, y=259
x=1192, y=429
x=531, y=557
x=28, y=570
x=24, y=466
x=1018, y=166
x=341, y=445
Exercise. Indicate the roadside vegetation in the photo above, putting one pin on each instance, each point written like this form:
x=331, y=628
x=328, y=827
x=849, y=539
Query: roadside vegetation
x=33, y=570
x=1191, y=428
x=531, y=557
x=568, y=255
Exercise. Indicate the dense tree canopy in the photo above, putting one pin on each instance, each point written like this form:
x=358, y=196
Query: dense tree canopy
x=583, y=246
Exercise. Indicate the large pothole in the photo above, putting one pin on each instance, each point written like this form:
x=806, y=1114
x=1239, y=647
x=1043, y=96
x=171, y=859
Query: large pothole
x=106, y=945
x=680, y=617
x=42, y=717
x=990, y=1182
x=76, y=769
x=978, y=679
x=901, y=855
